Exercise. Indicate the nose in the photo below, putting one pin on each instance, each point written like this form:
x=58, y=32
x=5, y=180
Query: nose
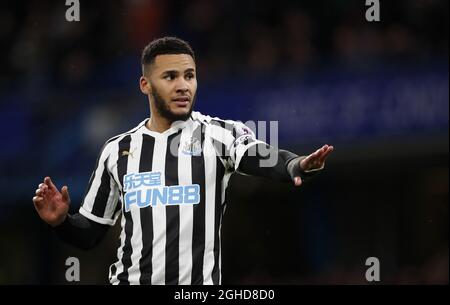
x=182, y=86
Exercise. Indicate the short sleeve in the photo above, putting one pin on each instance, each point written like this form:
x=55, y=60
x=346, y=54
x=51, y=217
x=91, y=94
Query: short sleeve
x=102, y=194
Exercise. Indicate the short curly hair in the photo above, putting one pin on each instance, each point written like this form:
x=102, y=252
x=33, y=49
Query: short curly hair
x=164, y=45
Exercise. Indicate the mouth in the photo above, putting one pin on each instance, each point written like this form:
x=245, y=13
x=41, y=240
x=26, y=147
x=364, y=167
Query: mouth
x=181, y=101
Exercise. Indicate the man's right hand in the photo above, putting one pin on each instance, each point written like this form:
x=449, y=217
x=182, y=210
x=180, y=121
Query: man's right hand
x=51, y=205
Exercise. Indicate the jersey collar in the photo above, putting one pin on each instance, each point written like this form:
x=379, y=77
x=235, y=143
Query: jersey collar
x=175, y=127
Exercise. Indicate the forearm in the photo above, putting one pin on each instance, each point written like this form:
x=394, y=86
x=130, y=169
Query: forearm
x=255, y=162
x=80, y=231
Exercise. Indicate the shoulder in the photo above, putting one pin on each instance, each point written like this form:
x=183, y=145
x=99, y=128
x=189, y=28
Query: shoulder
x=224, y=131
x=214, y=121
x=113, y=142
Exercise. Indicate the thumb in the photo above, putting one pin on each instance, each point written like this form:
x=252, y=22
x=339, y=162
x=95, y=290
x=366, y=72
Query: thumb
x=65, y=194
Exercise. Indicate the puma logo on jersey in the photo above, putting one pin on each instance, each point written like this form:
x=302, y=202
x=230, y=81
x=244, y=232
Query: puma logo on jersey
x=128, y=153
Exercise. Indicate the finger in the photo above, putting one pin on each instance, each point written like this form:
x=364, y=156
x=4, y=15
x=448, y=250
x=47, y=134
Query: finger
x=297, y=181
x=50, y=184
x=313, y=157
x=65, y=193
x=326, y=154
x=37, y=198
x=39, y=192
x=43, y=190
x=319, y=152
x=38, y=201
x=307, y=162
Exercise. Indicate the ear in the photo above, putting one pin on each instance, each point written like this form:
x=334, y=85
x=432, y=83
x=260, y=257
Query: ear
x=145, y=86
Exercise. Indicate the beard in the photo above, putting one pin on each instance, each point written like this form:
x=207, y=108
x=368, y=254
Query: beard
x=164, y=110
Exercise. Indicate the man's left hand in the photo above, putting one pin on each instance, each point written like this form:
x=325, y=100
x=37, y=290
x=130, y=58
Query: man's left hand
x=314, y=161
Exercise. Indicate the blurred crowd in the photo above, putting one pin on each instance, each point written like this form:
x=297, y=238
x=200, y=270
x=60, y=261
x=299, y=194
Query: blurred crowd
x=231, y=37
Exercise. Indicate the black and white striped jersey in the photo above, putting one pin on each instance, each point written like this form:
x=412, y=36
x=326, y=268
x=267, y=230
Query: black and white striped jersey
x=170, y=190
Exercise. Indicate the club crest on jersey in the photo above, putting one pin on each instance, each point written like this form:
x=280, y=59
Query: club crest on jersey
x=146, y=189
x=192, y=147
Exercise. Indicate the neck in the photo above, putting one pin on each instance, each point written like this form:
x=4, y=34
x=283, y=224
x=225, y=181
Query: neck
x=158, y=124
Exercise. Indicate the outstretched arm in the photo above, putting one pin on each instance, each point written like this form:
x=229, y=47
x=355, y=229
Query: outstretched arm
x=289, y=166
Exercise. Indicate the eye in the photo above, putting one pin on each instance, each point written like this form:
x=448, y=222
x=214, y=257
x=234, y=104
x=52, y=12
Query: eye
x=169, y=77
x=190, y=76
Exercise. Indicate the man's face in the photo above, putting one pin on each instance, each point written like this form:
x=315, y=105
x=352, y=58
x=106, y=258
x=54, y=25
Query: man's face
x=171, y=81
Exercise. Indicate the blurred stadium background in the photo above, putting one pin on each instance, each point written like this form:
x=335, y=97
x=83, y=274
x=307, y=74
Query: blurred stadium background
x=377, y=91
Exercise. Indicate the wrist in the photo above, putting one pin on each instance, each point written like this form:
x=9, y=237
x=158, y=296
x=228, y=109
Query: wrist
x=60, y=222
x=293, y=167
